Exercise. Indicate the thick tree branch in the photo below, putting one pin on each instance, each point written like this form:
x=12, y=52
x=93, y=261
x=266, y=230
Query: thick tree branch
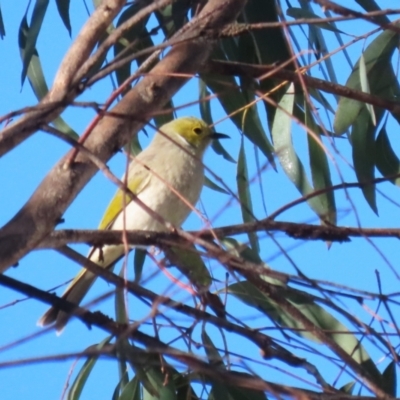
x=60, y=94
x=338, y=234
x=44, y=209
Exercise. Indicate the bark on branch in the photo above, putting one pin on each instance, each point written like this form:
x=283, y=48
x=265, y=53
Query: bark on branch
x=44, y=209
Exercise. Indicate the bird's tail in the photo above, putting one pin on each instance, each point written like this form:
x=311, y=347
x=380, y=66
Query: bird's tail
x=81, y=284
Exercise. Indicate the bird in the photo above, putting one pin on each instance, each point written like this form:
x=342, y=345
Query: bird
x=167, y=177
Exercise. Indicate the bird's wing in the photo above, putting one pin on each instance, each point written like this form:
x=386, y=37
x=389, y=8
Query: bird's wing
x=139, y=179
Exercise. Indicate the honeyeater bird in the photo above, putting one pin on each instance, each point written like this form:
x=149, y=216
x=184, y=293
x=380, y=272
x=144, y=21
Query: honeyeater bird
x=173, y=160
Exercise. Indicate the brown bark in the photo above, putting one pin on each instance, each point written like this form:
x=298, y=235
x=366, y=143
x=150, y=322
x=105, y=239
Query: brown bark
x=44, y=209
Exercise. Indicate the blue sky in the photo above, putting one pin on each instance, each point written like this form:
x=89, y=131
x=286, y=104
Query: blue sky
x=23, y=169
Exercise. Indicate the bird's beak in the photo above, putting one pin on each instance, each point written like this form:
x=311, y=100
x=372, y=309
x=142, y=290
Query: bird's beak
x=216, y=135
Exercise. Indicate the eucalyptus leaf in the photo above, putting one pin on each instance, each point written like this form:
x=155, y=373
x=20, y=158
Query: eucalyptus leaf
x=2, y=27
x=363, y=145
x=387, y=161
x=131, y=391
x=389, y=379
x=244, y=194
x=78, y=385
x=166, y=389
x=38, y=14
x=287, y=156
x=63, y=10
x=213, y=186
x=189, y=263
x=320, y=172
x=213, y=355
x=377, y=57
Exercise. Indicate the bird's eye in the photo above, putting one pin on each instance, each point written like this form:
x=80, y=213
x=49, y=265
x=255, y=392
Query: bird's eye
x=197, y=131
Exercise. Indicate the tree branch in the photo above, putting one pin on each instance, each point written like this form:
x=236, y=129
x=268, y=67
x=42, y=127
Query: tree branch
x=257, y=72
x=60, y=95
x=44, y=209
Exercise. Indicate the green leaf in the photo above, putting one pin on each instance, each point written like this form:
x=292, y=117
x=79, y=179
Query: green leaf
x=320, y=172
x=122, y=382
x=256, y=11
x=38, y=14
x=387, y=161
x=231, y=392
x=370, y=5
x=317, y=42
x=121, y=316
x=380, y=76
x=131, y=390
x=213, y=355
x=389, y=379
x=166, y=389
x=365, y=87
x=300, y=13
x=139, y=360
x=242, y=180
x=37, y=80
x=184, y=390
x=205, y=112
x=235, y=104
x=121, y=313
x=232, y=102
x=213, y=186
x=138, y=262
x=189, y=263
x=2, y=27
x=363, y=142
x=136, y=37
x=63, y=10
x=172, y=17
x=348, y=387
x=83, y=375
x=34, y=70
x=61, y=125
x=134, y=147
x=290, y=162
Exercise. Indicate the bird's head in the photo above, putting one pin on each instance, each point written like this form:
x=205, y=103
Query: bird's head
x=191, y=132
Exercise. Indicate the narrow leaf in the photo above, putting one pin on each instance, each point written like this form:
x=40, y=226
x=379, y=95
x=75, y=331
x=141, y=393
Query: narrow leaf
x=205, y=112
x=389, y=379
x=83, y=375
x=38, y=14
x=213, y=186
x=290, y=162
x=213, y=355
x=371, y=5
x=320, y=172
x=131, y=390
x=37, y=80
x=189, y=263
x=242, y=180
x=363, y=146
x=348, y=387
x=380, y=75
x=138, y=262
x=235, y=104
x=63, y=10
x=387, y=161
x=166, y=389
x=2, y=27
x=365, y=87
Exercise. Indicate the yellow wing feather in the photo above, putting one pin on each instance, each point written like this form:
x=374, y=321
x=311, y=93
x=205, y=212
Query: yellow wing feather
x=135, y=185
